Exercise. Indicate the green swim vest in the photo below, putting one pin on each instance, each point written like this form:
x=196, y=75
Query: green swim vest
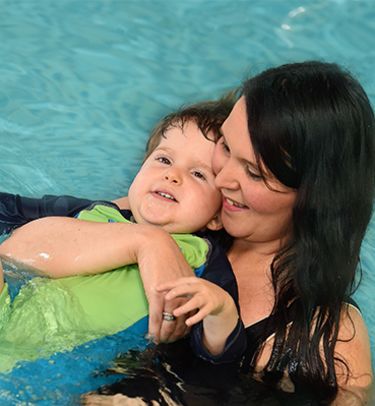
x=50, y=315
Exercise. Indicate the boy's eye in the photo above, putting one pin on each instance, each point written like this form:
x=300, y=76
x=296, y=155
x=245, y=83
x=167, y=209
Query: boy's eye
x=163, y=160
x=199, y=175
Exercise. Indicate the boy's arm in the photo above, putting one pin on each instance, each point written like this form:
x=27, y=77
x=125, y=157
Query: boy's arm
x=16, y=210
x=233, y=346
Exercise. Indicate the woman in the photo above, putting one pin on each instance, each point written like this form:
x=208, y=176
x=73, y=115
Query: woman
x=296, y=169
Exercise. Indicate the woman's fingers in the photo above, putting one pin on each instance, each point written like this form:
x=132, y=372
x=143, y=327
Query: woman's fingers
x=171, y=330
x=159, y=260
x=160, y=330
x=156, y=306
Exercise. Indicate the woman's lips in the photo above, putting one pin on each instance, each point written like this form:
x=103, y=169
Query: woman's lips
x=232, y=205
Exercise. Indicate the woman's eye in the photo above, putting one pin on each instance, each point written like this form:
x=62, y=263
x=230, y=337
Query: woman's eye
x=163, y=160
x=199, y=175
x=253, y=175
x=224, y=146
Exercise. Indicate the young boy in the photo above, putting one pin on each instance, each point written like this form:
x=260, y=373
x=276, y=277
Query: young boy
x=174, y=190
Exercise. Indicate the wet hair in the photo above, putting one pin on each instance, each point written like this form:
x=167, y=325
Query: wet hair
x=312, y=125
x=208, y=115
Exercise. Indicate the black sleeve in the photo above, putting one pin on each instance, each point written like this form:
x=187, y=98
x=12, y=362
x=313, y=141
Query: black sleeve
x=16, y=210
x=219, y=271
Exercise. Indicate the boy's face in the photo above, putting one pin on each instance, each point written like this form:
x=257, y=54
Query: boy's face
x=175, y=187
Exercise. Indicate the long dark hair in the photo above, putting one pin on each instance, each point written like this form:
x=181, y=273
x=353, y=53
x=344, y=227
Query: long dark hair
x=312, y=125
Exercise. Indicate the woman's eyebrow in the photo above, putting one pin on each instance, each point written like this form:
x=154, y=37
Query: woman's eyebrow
x=244, y=161
x=254, y=165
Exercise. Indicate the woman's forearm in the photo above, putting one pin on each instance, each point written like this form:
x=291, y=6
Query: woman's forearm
x=59, y=246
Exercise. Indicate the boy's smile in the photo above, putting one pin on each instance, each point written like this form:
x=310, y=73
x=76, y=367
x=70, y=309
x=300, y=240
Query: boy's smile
x=164, y=195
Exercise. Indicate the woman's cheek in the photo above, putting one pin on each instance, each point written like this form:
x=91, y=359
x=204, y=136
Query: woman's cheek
x=269, y=202
x=217, y=160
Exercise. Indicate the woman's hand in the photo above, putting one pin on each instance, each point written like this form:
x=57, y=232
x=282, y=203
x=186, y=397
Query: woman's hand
x=160, y=260
x=207, y=302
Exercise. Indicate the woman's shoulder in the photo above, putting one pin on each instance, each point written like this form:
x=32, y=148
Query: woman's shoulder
x=353, y=348
x=352, y=326
x=351, y=302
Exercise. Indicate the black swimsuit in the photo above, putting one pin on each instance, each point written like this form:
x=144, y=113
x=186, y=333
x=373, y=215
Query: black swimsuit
x=263, y=329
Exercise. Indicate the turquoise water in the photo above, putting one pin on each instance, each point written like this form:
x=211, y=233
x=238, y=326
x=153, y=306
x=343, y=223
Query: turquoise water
x=82, y=82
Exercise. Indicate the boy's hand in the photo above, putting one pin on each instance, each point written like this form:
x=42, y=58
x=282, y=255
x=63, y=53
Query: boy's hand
x=209, y=303
x=203, y=298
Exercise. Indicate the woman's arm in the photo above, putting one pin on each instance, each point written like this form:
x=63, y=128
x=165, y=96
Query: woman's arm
x=58, y=246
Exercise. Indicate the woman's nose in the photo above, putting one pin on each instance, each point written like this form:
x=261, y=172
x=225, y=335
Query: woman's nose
x=226, y=178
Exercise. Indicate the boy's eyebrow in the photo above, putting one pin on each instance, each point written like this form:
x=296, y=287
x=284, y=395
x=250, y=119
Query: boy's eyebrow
x=197, y=162
x=204, y=166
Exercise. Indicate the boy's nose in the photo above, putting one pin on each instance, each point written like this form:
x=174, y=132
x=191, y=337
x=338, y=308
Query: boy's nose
x=173, y=177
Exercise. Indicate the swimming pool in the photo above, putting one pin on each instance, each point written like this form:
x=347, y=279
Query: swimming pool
x=82, y=82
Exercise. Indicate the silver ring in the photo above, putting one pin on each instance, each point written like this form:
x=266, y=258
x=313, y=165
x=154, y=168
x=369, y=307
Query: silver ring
x=168, y=316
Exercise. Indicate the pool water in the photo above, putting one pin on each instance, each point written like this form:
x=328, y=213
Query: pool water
x=83, y=82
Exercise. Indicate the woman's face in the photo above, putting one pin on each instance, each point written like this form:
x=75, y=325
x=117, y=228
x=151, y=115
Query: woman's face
x=250, y=210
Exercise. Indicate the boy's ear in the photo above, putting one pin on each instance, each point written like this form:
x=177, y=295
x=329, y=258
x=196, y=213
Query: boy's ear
x=215, y=223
